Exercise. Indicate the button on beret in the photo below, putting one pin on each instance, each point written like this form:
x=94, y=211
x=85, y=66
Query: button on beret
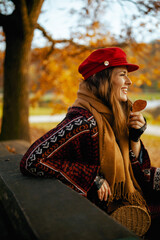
x=103, y=58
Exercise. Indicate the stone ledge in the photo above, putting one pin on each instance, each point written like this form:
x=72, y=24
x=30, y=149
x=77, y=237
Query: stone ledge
x=46, y=209
x=13, y=147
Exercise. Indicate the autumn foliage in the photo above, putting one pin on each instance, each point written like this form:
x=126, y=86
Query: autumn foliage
x=57, y=72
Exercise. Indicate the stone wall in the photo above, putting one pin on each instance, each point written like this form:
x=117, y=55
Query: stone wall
x=46, y=209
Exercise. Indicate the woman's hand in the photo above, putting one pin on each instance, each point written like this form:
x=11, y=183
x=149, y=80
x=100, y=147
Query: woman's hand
x=104, y=191
x=137, y=126
x=136, y=120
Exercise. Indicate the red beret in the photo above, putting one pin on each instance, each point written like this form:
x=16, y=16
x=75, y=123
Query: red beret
x=104, y=58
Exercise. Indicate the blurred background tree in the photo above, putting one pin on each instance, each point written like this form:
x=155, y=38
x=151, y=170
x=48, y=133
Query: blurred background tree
x=18, y=27
x=93, y=30
x=53, y=68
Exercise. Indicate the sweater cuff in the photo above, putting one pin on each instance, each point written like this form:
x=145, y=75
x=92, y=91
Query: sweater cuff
x=140, y=157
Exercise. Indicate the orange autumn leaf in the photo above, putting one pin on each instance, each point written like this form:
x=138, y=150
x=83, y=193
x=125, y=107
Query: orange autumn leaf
x=139, y=105
x=11, y=149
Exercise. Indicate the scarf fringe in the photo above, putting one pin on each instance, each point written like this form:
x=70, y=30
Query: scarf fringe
x=135, y=198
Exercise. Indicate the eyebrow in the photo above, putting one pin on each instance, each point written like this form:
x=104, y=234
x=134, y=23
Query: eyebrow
x=124, y=71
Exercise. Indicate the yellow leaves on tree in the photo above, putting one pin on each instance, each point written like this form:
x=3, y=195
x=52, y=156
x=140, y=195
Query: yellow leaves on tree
x=57, y=73
x=147, y=56
x=142, y=78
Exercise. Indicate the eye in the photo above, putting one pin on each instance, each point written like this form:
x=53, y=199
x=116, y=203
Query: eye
x=124, y=74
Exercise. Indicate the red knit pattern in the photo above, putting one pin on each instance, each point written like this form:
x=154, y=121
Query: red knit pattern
x=69, y=152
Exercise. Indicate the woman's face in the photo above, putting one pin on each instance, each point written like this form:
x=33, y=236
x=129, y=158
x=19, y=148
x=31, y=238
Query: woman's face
x=120, y=82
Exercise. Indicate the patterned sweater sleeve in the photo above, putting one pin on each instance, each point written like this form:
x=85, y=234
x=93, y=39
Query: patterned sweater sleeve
x=68, y=152
x=147, y=176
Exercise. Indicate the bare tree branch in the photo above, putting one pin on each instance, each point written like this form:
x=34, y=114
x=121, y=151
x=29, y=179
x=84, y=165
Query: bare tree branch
x=50, y=39
x=70, y=41
x=80, y=47
x=45, y=34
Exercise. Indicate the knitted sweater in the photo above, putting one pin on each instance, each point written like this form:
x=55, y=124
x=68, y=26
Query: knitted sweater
x=70, y=152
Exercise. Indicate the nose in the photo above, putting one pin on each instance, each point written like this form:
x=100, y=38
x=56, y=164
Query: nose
x=128, y=81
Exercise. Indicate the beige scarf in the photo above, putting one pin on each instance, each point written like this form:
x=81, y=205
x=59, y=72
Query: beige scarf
x=114, y=157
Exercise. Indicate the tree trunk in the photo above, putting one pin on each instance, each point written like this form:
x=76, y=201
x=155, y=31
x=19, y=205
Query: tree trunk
x=18, y=28
x=15, y=123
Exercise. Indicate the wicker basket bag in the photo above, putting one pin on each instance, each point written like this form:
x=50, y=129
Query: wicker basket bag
x=135, y=218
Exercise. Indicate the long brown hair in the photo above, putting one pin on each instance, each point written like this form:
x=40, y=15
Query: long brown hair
x=101, y=86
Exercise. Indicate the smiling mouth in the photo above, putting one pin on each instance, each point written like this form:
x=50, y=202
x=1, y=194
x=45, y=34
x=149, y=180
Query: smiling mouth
x=124, y=90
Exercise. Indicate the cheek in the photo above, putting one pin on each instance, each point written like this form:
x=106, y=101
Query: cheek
x=117, y=85
x=118, y=82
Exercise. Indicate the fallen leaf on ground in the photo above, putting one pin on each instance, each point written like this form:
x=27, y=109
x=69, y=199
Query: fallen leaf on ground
x=11, y=149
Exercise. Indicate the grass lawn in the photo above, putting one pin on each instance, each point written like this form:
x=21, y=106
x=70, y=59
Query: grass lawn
x=45, y=126
x=152, y=144
x=35, y=111
x=144, y=95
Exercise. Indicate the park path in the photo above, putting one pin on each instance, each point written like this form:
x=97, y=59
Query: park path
x=47, y=118
x=153, y=104
x=153, y=130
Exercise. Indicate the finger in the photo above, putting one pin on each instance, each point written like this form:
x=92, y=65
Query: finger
x=104, y=191
x=134, y=113
x=105, y=197
x=109, y=190
x=138, y=119
x=135, y=119
x=137, y=116
x=135, y=124
x=101, y=193
x=135, y=127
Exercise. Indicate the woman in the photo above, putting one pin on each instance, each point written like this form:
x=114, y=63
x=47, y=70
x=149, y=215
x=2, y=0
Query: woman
x=96, y=149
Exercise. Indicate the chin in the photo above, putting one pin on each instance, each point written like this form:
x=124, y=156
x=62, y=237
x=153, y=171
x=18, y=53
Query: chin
x=124, y=99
